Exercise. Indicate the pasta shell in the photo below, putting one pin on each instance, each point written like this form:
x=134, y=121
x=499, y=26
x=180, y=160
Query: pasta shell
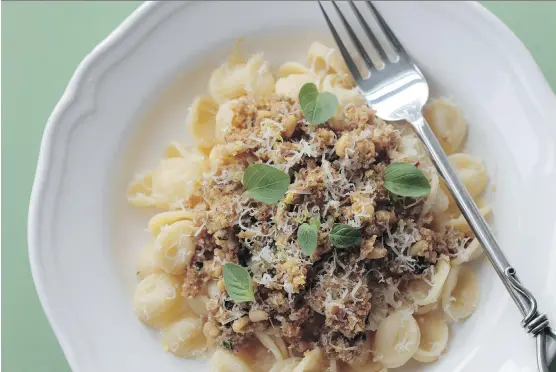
x=370, y=366
x=434, y=337
x=290, y=85
x=473, y=251
x=271, y=344
x=224, y=154
x=426, y=308
x=233, y=81
x=224, y=119
x=286, y=365
x=345, y=96
x=460, y=223
x=437, y=201
x=146, y=264
x=291, y=68
x=185, y=338
x=337, y=81
x=157, y=300
x=175, y=182
x=198, y=305
x=175, y=247
x=139, y=193
x=447, y=122
x=460, y=293
x=423, y=293
x=227, y=82
x=324, y=59
x=160, y=220
x=202, y=122
x=397, y=339
x=259, y=80
x=175, y=150
x=412, y=149
x=313, y=361
x=471, y=171
x=224, y=361
x=364, y=362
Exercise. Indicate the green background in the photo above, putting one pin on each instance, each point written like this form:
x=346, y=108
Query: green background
x=42, y=44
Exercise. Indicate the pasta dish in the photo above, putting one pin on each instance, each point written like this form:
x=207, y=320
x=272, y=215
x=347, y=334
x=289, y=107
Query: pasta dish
x=303, y=233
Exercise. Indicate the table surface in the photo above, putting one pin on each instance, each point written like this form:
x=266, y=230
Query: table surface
x=42, y=44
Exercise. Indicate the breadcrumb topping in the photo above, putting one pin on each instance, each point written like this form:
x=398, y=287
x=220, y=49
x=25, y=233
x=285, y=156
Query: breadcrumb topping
x=335, y=297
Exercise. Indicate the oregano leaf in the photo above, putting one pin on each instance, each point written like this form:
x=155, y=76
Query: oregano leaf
x=265, y=184
x=307, y=237
x=238, y=283
x=344, y=236
x=406, y=180
x=317, y=107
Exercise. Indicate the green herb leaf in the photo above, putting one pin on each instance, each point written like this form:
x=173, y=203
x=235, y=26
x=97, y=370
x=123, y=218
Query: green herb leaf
x=317, y=107
x=407, y=180
x=344, y=236
x=265, y=183
x=227, y=344
x=315, y=221
x=307, y=236
x=238, y=283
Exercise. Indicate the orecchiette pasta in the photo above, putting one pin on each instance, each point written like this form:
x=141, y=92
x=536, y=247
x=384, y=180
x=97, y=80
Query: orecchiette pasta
x=286, y=365
x=139, y=192
x=460, y=293
x=460, y=223
x=202, y=121
x=157, y=300
x=272, y=344
x=426, y=309
x=423, y=293
x=437, y=201
x=473, y=251
x=313, y=361
x=198, y=305
x=224, y=119
x=324, y=59
x=434, y=337
x=159, y=221
x=174, y=246
x=227, y=82
x=175, y=150
x=175, y=182
x=370, y=366
x=290, y=85
x=364, y=362
x=290, y=68
x=397, y=339
x=339, y=87
x=146, y=264
x=259, y=80
x=352, y=320
x=232, y=81
x=337, y=81
x=224, y=154
x=447, y=122
x=185, y=338
x=224, y=361
x=471, y=171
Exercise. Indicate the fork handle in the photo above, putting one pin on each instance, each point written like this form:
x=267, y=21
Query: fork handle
x=533, y=322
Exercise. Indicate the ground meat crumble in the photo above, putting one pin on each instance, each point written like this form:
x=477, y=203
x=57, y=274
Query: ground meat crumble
x=335, y=298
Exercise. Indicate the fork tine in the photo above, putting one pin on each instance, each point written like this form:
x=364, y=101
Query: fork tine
x=376, y=44
x=387, y=30
x=345, y=54
x=354, y=38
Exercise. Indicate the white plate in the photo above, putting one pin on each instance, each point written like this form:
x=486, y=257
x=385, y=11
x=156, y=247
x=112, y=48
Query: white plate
x=129, y=98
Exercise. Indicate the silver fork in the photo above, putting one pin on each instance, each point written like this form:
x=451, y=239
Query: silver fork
x=398, y=91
